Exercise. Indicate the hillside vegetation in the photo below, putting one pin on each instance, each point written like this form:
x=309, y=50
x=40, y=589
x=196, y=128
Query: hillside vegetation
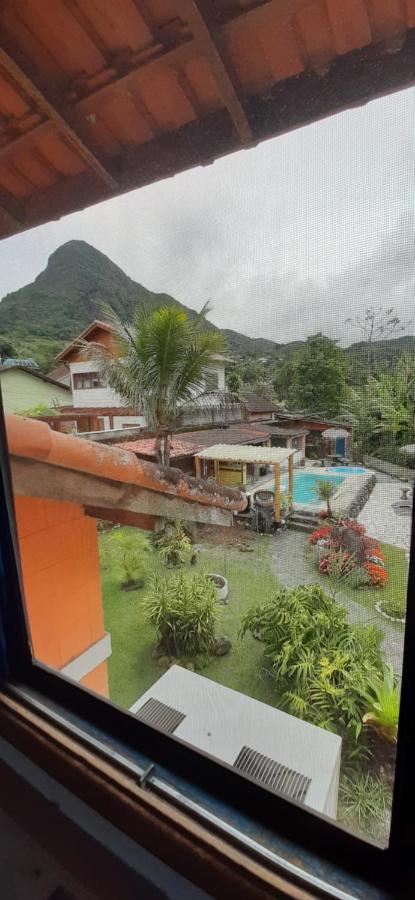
x=40, y=318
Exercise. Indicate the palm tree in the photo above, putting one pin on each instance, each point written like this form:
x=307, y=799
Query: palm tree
x=324, y=491
x=159, y=365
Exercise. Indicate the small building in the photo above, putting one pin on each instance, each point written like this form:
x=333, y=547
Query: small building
x=26, y=388
x=96, y=406
x=238, y=464
x=257, y=408
x=184, y=445
x=315, y=424
x=290, y=437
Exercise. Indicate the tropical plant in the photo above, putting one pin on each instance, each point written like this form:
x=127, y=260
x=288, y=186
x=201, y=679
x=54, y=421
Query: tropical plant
x=234, y=382
x=41, y=409
x=129, y=551
x=364, y=801
x=395, y=608
x=158, y=364
x=183, y=610
x=344, y=547
x=382, y=697
x=383, y=410
x=325, y=490
x=173, y=544
x=320, y=663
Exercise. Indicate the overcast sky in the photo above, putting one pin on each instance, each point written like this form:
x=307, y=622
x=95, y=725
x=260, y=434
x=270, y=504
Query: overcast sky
x=286, y=239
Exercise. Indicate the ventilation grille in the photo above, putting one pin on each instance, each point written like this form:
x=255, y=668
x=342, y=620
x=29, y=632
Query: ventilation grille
x=272, y=774
x=160, y=715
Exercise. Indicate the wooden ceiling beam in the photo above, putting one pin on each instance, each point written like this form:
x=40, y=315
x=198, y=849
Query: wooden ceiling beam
x=353, y=79
x=208, y=36
x=14, y=71
x=11, y=211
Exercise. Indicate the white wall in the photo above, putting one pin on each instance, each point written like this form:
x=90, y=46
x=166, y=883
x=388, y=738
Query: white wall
x=92, y=396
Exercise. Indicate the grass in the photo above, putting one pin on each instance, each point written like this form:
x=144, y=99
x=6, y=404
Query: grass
x=131, y=667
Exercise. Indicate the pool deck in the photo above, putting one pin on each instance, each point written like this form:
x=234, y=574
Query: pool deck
x=380, y=518
x=341, y=498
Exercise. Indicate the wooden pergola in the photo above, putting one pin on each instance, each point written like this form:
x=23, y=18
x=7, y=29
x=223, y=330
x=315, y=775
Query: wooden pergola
x=262, y=456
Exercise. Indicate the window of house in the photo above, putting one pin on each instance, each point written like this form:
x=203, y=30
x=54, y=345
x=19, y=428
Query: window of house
x=247, y=629
x=88, y=380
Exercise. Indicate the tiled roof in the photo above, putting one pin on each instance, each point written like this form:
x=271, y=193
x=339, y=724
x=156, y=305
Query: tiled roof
x=255, y=403
x=190, y=442
x=34, y=440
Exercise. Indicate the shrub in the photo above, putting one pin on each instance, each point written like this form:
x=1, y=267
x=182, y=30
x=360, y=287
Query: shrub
x=183, y=610
x=173, y=544
x=382, y=698
x=365, y=802
x=358, y=577
x=377, y=574
x=394, y=608
x=320, y=663
x=325, y=490
x=129, y=551
x=346, y=542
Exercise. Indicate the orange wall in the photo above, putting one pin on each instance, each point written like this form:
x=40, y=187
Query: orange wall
x=60, y=567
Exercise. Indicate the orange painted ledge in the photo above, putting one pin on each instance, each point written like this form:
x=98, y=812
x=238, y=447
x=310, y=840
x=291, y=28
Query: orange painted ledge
x=31, y=439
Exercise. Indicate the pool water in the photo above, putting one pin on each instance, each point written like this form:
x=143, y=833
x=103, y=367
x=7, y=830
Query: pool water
x=348, y=470
x=305, y=485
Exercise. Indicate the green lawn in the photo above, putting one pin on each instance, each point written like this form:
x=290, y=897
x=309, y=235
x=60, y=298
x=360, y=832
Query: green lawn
x=131, y=667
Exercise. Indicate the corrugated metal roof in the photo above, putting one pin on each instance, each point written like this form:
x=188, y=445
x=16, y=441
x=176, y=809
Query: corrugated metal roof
x=241, y=453
x=100, y=98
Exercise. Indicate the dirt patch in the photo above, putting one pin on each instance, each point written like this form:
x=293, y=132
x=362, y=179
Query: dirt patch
x=218, y=536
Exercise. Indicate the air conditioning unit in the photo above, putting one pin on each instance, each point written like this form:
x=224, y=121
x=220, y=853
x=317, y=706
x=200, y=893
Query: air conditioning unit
x=284, y=754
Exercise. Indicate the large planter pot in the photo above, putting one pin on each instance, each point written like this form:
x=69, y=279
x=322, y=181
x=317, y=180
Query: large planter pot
x=221, y=586
x=378, y=607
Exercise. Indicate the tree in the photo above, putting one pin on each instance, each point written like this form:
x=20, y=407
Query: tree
x=376, y=324
x=159, y=365
x=6, y=349
x=234, y=382
x=318, y=376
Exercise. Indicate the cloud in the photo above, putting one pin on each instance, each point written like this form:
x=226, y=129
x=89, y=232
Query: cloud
x=286, y=239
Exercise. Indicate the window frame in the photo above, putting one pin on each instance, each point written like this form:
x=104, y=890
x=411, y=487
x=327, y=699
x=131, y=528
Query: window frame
x=23, y=677
x=97, y=381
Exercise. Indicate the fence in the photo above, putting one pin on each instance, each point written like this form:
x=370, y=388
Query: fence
x=380, y=465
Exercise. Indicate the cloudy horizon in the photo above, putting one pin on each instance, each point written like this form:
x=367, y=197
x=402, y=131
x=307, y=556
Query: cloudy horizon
x=285, y=239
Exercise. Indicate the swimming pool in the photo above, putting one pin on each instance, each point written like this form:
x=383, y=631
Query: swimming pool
x=305, y=485
x=305, y=482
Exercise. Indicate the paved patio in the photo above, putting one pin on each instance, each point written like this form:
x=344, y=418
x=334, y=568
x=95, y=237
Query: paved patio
x=379, y=517
x=291, y=567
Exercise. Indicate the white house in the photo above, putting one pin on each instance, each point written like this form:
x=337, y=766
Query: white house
x=94, y=400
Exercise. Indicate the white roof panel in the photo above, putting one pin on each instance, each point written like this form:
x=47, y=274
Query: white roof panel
x=246, y=454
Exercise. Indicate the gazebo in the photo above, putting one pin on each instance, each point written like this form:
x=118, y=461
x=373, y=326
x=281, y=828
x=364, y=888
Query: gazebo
x=230, y=462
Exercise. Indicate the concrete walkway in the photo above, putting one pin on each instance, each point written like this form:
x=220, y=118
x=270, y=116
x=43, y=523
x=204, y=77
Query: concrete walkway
x=379, y=517
x=290, y=565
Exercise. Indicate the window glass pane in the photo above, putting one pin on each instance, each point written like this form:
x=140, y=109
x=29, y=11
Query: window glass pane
x=272, y=640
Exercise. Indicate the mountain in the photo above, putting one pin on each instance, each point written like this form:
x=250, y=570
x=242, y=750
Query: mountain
x=65, y=297
x=41, y=317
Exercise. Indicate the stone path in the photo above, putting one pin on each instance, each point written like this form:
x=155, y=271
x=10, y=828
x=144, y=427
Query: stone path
x=291, y=567
x=379, y=517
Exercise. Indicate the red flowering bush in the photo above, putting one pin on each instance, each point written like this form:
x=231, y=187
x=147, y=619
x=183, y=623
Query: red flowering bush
x=323, y=514
x=320, y=534
x=346, y=547
x=378, y=575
